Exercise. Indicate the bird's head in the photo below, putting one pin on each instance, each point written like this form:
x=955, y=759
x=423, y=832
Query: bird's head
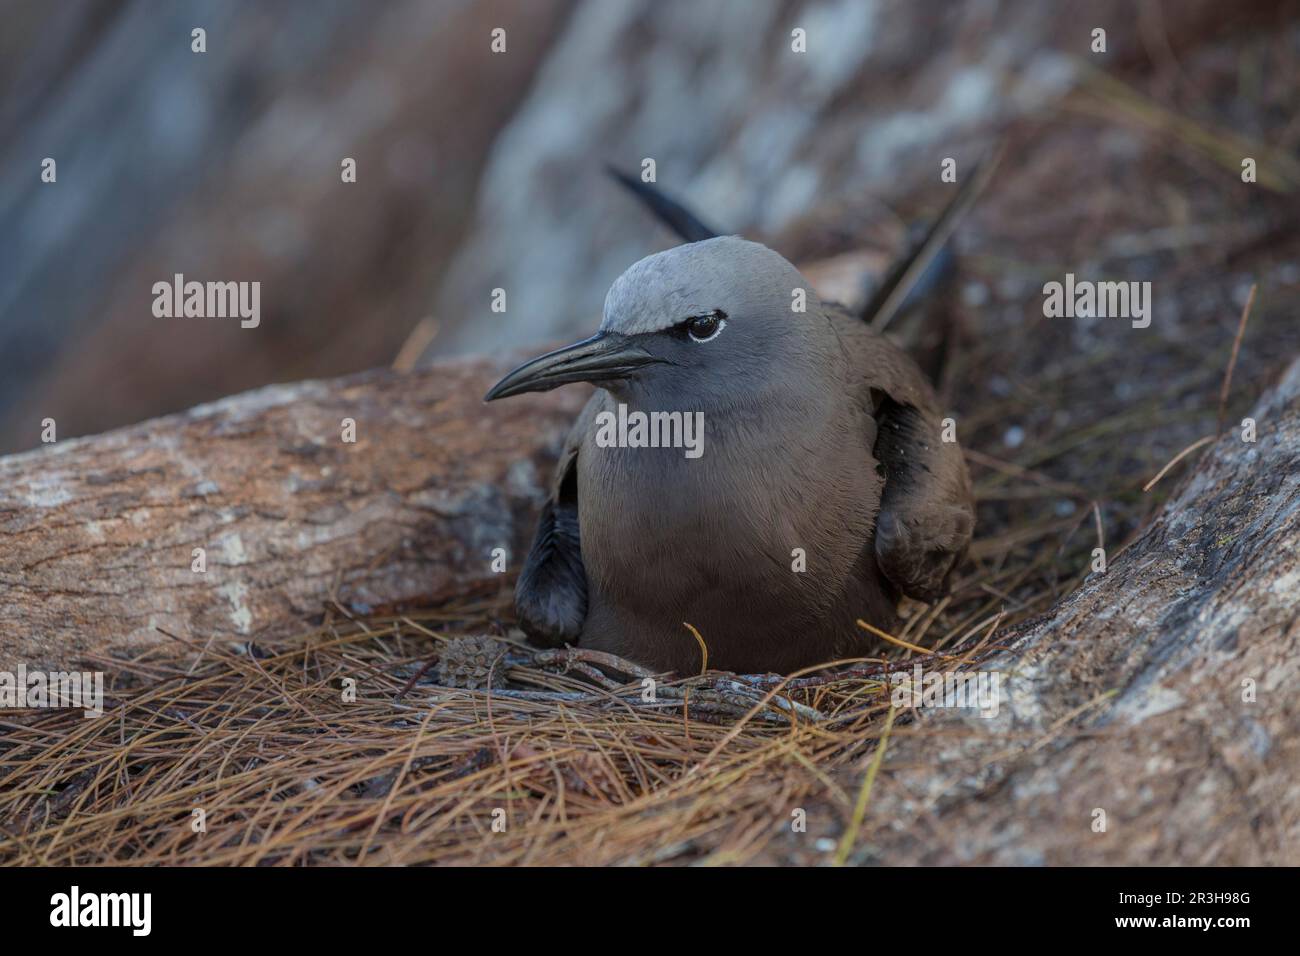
x=697, y=323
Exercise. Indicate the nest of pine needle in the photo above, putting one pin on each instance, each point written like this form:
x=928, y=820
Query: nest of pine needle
x=341, y=746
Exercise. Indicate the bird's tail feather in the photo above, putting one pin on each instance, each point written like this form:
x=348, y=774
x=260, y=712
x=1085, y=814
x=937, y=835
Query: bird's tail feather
x=684, y=223
x=906, y=275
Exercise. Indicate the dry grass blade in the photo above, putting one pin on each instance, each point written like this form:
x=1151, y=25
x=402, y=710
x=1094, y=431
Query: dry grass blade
x=864, y=794
x=1176, y=459
x=1232, y=359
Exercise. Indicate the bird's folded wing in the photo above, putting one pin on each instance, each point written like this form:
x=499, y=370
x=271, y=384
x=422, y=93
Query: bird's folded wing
x=927, y=513
x=551, y=594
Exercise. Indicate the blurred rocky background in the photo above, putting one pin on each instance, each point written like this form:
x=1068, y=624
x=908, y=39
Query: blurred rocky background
x=226, y=166
x=479, y=170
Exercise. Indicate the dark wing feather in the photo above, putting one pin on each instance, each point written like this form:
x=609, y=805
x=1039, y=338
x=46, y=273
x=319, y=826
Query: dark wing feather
x=907, y=274
x=684, y=223
x=551, y=594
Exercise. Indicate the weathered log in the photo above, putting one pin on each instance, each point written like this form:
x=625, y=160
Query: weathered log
x=97, y=535
x=1162, y=693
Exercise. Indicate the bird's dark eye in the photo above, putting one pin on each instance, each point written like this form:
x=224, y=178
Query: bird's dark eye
x=701, y=328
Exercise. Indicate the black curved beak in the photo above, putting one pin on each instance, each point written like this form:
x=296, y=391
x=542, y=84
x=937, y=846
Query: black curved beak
x=605, y=357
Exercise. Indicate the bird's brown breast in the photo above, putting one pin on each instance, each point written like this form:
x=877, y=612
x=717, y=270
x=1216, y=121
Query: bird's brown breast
x=768, y=555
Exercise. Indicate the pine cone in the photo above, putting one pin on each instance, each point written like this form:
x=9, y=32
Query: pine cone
x=467, y=661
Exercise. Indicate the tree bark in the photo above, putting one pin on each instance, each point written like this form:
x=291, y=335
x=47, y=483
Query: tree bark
x=1162, y=693
x=97, y=535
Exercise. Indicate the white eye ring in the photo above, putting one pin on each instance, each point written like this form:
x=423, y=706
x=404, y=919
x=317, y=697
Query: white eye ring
x=722, y=324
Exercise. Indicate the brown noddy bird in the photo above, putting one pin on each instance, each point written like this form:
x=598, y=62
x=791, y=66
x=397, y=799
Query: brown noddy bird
x=821, y=438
